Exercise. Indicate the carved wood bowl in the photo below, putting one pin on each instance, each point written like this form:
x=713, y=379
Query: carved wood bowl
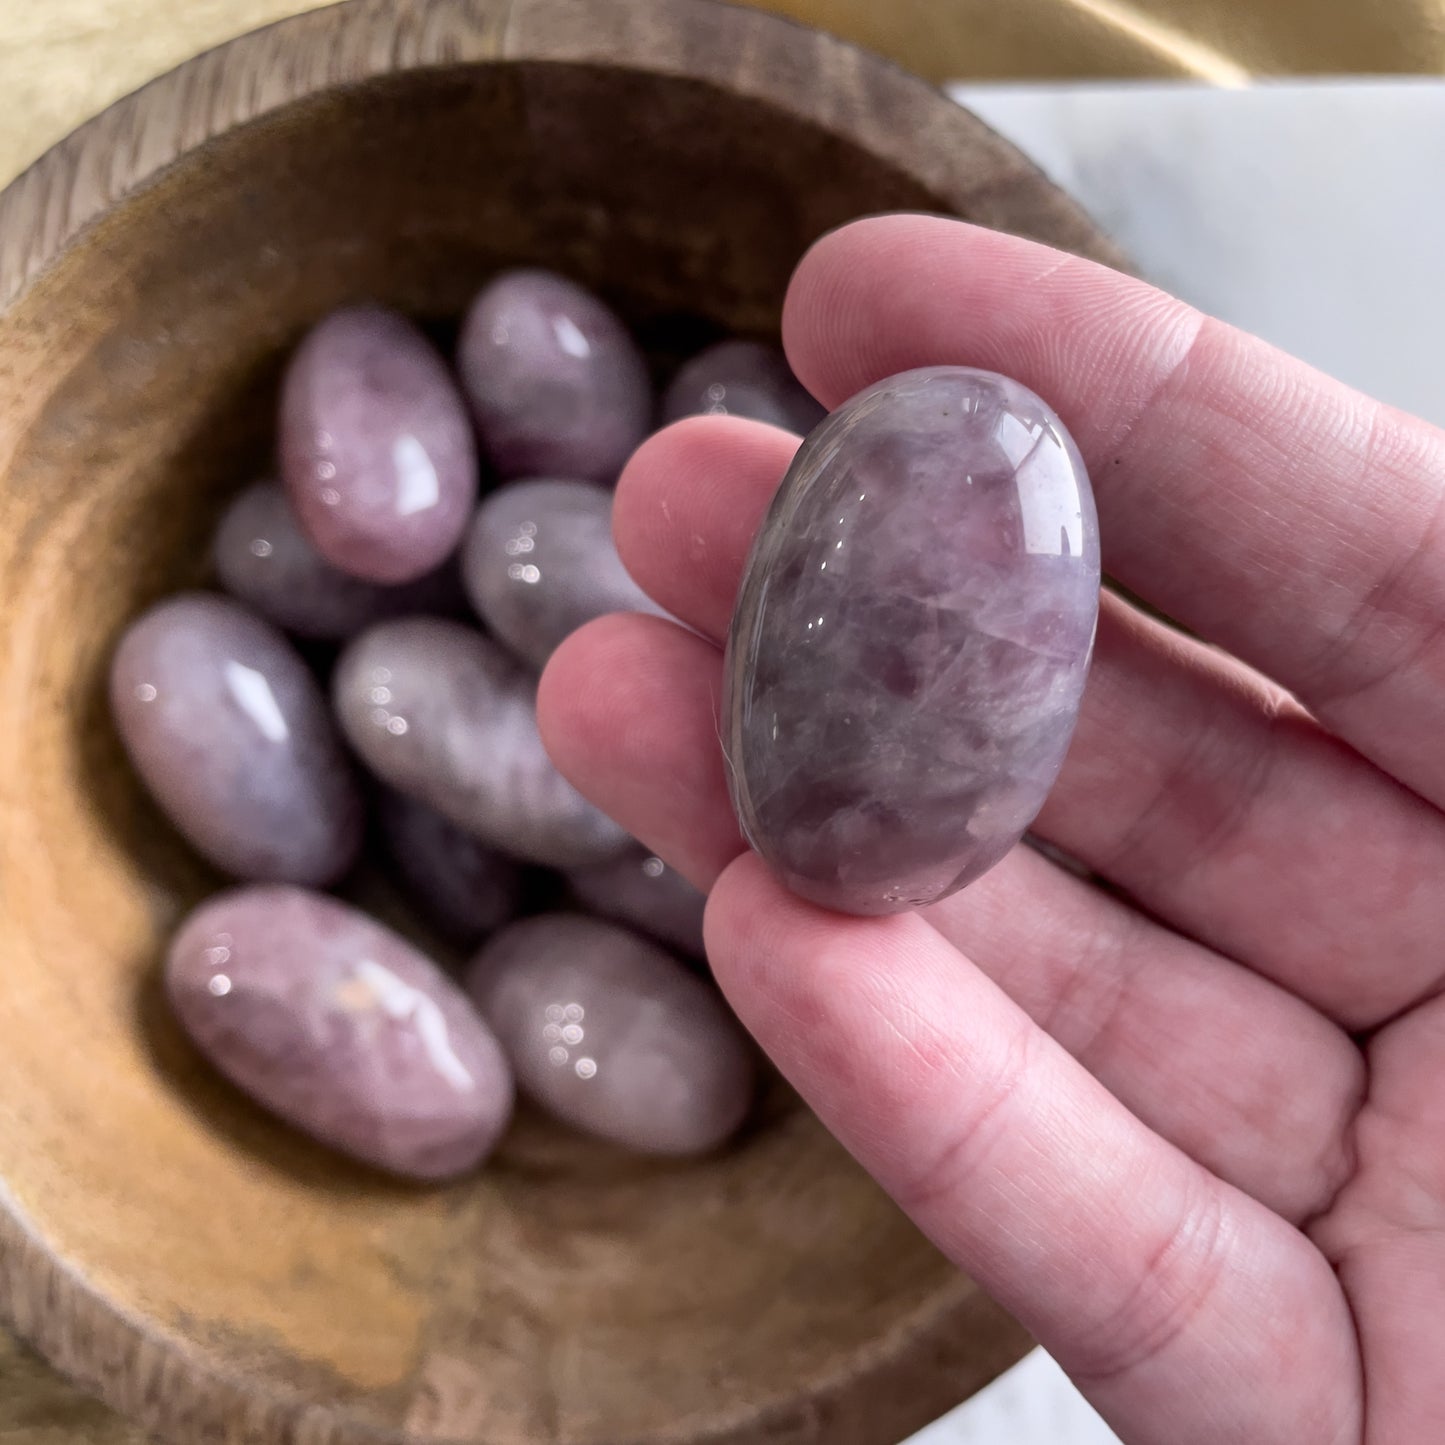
x=204, y=1270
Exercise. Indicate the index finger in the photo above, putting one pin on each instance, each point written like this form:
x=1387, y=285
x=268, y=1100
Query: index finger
x=1265, y=506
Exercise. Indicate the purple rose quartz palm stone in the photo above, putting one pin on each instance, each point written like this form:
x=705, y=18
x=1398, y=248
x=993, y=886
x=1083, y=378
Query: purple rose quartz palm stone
x=376, y=449
x=741, y=378
x=614, y=1036
x=554, y=379
x=443, y=714
x=341, y=1028
x=264, y=559
x=911, y=640
x=465, y=888
x=232, y=736
x=539, y=561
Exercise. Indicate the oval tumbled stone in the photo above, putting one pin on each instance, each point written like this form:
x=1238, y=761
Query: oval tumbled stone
x=539, y=561
x=341, y=1028
x=377, y=452
x=444, y=715
x=911, y=639
x=463, y=887
x=741, y=378
x=639, y=889
x=232, y=736
x=264, y=558
x=614, y=1036
x=553, y=377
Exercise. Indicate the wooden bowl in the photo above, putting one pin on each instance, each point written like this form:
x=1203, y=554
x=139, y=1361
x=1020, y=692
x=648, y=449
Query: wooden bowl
x=204, y=1270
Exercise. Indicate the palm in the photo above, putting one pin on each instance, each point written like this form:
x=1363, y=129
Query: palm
x=1146, y=1126
x=1385, y=1230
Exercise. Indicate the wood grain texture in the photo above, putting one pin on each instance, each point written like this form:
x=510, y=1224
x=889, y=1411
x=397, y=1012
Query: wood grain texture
x=210, y=1275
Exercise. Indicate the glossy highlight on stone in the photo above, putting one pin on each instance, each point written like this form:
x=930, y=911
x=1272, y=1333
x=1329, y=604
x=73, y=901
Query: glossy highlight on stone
x=640, y=890
x=376, y=450
x=341, y=1028
x=741, y=378
x=554, y=379
x=265, y=560
x=613, y=1036
x=443, y=714
x=231, y=735
x=539, y=561
x=911, y=640
x=463, y=887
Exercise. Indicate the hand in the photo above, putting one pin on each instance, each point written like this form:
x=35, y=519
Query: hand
x=1194, y=1141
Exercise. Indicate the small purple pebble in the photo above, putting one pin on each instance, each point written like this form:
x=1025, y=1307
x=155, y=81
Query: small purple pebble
x=230, y=733
x=741, y=378
x=466, y=889
x=613, y=1036
x=554, y=379
x=341, y=1028
x=539, y=561
x=376, y=450
x=443, y=714
x=265, y=560
x=640, y=890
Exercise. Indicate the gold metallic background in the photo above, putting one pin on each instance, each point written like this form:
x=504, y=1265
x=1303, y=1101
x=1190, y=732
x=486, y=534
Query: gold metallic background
x=62, y=60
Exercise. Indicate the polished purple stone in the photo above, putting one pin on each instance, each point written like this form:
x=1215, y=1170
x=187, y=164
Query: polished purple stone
x=614, y=1036
x=443, y=714
x=911, y=640
x=539, y=561
x=264, y=559
x=376, y=450
x=341, y=1028
x=464, y=888
x=555, y=381
x=741, y=378
x=641, y=890
x=230, y=733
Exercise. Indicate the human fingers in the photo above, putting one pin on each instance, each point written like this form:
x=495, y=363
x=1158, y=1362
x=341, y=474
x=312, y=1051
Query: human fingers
x=1191, y=781
x=1172, y=1298
x=1207, y=1053
x=1268, y=508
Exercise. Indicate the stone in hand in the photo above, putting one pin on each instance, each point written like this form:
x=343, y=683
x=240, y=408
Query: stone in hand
x=231, y=735
x=265, y=560
x=911, y=639
x=641, y=890
x=445, y=715
x=539, y=561
x=610, y=1034
x=376, y=449
x=741, y=378
x=465, y=888
x=341, y=1028
x=555, y=381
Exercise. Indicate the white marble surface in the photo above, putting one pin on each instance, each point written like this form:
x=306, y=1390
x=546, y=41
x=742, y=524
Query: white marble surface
x=1311, y=213
x=1034, y=1403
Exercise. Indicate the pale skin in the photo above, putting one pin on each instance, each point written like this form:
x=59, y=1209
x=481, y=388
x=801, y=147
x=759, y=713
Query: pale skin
x=1193, y=1136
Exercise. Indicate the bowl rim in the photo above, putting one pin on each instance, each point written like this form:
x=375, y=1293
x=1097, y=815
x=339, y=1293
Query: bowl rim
x=922, y=1366
x=118, y=153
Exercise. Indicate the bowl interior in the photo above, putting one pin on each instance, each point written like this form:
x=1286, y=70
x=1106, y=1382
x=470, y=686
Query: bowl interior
x=568, y=1293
